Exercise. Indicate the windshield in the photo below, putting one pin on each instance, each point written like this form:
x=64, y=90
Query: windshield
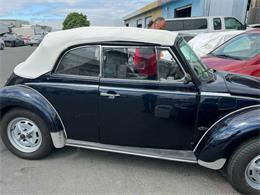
x=242, y=47
x=197, y=66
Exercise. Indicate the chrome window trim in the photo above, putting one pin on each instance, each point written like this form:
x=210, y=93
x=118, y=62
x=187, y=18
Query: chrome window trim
x=146, y=90
x=124, y=46
x=211, y=127
x=101, y=63
x=157, y=58
x=139, y=81
x=75, y=76
x=129, y=81
x=64, y=84
x=54, y=71
x=137, y=151
x=145, y=81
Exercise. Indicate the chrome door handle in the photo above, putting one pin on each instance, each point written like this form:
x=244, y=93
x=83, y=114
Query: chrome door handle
x=109, y=95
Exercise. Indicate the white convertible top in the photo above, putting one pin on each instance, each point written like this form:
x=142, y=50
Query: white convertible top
x=43, y=59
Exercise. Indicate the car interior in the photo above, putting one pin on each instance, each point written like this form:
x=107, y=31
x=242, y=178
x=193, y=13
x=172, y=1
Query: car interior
x=123, y=63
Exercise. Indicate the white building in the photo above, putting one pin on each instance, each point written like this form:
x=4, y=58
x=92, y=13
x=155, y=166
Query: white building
x=246, y=11
x=13, y=22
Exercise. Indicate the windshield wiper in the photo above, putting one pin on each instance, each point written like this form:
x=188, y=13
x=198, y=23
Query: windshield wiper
x=227, y=56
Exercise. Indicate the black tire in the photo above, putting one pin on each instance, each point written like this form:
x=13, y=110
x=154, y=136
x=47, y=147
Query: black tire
x=7, y=43
x=46, y=145
x=13, y=44
x=238, y=163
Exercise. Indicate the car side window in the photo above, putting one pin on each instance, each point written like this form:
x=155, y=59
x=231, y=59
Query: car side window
x=217, y=23
x=174, y=25
x=168, y=69
x=195, y=24
x=242, y=44
x=242, y=47
x=232, y=23
x=82, y=61
x=140, y=63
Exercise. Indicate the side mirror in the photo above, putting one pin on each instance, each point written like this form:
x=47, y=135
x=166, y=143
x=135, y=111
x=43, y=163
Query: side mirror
x=244, y=27
x=187, y=79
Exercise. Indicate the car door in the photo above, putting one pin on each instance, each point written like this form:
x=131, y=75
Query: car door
x=232, y=24
x=144, y=100
x=73, y=91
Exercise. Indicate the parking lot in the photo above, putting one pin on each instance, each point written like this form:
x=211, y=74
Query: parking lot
x=79, y=171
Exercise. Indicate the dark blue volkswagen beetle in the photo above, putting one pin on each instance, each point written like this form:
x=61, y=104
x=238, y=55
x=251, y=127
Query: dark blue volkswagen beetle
x=133, y=91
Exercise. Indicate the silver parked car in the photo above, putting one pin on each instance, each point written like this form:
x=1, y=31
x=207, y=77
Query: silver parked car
x=12, y=40
x=35, y=39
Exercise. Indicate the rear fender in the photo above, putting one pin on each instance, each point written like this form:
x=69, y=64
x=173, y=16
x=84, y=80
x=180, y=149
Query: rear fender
x=28, y=98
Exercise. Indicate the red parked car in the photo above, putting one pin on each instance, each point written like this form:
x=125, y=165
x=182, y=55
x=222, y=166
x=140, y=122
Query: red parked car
x=240, y=55
x=26, y=40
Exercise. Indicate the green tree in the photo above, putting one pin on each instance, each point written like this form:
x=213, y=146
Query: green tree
x=75, y=20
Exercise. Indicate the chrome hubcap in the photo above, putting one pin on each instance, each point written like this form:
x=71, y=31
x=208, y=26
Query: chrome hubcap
x=252, y=173
x=24, y=135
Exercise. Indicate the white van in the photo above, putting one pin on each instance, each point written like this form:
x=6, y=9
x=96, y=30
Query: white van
x=195, y=25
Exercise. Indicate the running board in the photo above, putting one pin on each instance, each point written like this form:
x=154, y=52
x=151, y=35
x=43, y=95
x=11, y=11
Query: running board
x=172, y=155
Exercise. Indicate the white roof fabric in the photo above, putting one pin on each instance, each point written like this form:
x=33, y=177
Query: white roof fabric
x=204, y=43
x=43, y=59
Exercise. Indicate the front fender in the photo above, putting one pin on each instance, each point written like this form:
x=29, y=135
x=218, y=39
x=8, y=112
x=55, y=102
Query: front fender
x=25, y=97
x=219, y=142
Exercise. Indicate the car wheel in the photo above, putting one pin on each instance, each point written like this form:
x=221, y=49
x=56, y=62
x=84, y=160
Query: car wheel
x=244, y=167
x=13, y=44
x=25, y=134
x=7, y=44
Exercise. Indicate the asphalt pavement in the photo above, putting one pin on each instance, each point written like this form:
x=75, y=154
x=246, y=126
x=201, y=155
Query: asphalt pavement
x=79, y=171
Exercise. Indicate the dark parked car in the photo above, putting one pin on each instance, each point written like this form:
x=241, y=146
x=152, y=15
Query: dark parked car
x=133, y=91
x=12, y=40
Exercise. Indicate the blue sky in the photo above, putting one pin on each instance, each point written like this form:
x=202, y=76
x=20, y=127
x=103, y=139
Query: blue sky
x=53, y=12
